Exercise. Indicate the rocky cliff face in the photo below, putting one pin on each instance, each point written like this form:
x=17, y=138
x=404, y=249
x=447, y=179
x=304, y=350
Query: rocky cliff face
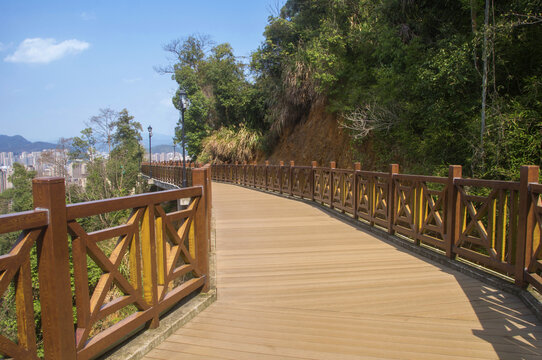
x=318, y=137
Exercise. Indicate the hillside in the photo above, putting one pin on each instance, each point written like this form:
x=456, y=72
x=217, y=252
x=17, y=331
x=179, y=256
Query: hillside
x=411, y=90
x=317, y=137
x=18, y=144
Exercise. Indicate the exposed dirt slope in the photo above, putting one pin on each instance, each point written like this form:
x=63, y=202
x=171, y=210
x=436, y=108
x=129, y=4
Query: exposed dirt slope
x=317, y=137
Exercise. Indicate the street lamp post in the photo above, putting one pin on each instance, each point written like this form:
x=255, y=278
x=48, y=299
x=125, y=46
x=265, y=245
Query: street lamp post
x=173, y=151
x=183, y=104
x=150, y=150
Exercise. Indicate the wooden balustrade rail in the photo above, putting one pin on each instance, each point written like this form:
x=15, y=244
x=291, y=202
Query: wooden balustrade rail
x=147, y=265
x=495, y=224
x=170, y=172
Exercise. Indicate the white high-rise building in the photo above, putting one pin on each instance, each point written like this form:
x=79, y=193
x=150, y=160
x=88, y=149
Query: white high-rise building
x=5, y=173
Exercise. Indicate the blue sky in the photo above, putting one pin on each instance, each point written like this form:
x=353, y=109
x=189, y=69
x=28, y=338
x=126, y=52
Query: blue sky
x=61, y=61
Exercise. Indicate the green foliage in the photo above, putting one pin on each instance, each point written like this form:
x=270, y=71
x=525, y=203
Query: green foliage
x=83, y=147
x=116, y=176
x=119, y=175
x=219, y=92
x=125, y=158
x=412, y=73
x=20, y=197
x=21, y=193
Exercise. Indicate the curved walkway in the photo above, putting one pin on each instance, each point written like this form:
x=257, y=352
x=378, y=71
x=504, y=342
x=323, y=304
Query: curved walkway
x=296, y=283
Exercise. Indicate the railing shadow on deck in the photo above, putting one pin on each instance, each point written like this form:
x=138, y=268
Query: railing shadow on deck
x=141, y=268
x=523, y=338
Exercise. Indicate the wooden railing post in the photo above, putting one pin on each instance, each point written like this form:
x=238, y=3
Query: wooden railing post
x=524, y=245
x=199, y=178
x=332, y=166
x=244, y=173
x=265, y=174
x=254, y=174
x=209, y=207
x=291, y=177
x=453, y=209
x=54, y=271
x=314, y=164
x=281, y=167
x=394, y=169
x=355, y=191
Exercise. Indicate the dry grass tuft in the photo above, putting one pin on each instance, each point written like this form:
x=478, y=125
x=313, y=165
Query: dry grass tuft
x=230, y=145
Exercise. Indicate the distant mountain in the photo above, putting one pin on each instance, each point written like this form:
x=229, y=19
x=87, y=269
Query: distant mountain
x=18, y=144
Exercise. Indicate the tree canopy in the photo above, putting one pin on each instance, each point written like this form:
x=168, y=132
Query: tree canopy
x=423, y=83
x=220, y=93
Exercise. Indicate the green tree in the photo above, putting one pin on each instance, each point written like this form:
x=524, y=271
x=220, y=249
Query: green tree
x=21, y=193
x=126, y=156
x=20, y=197
x=116, y=175
x=83, y=147
x=219, y=92
x=411, y=76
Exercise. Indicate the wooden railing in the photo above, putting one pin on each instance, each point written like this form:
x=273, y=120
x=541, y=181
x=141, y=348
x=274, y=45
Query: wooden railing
x=170, y=172
x=494, y=224
x=146, y=265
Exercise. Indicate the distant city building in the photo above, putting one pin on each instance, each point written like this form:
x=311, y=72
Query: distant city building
x=78, y=173
x=49, y=163
x=5, y=173
x=46, y=163
x=6, y=159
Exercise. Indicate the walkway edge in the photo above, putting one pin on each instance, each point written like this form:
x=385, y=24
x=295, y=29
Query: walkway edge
x=530, y=298
x=140, y=345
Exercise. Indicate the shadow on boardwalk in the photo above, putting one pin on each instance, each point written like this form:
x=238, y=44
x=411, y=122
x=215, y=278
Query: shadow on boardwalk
x=498, y=312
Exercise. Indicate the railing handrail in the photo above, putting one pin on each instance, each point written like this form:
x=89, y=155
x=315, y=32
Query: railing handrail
x=90, y=208
x=142, y=239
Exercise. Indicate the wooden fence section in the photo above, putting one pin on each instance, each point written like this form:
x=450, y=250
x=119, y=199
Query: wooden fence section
x=143, y=267
x=170, y=172
x=495, y=224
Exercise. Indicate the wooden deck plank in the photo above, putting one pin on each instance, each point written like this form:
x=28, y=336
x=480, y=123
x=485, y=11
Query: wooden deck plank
x=295, y=283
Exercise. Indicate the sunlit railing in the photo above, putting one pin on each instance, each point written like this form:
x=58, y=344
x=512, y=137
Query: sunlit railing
x=494, y=224
x=96, y=284
x=170, y=172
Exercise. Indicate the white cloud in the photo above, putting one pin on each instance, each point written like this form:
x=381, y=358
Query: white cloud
x=38, y=50
x=88, y=16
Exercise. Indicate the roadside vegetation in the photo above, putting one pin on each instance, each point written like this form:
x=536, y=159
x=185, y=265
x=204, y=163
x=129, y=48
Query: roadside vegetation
x=421, y=83
x=112, y=176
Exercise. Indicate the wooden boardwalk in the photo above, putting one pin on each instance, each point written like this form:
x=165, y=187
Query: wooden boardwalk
x=296, y=283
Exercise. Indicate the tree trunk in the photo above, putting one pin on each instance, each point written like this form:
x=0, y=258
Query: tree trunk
x=484, y=75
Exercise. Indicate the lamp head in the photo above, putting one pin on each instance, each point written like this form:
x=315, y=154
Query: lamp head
x=150, y=130
x=183, y=100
